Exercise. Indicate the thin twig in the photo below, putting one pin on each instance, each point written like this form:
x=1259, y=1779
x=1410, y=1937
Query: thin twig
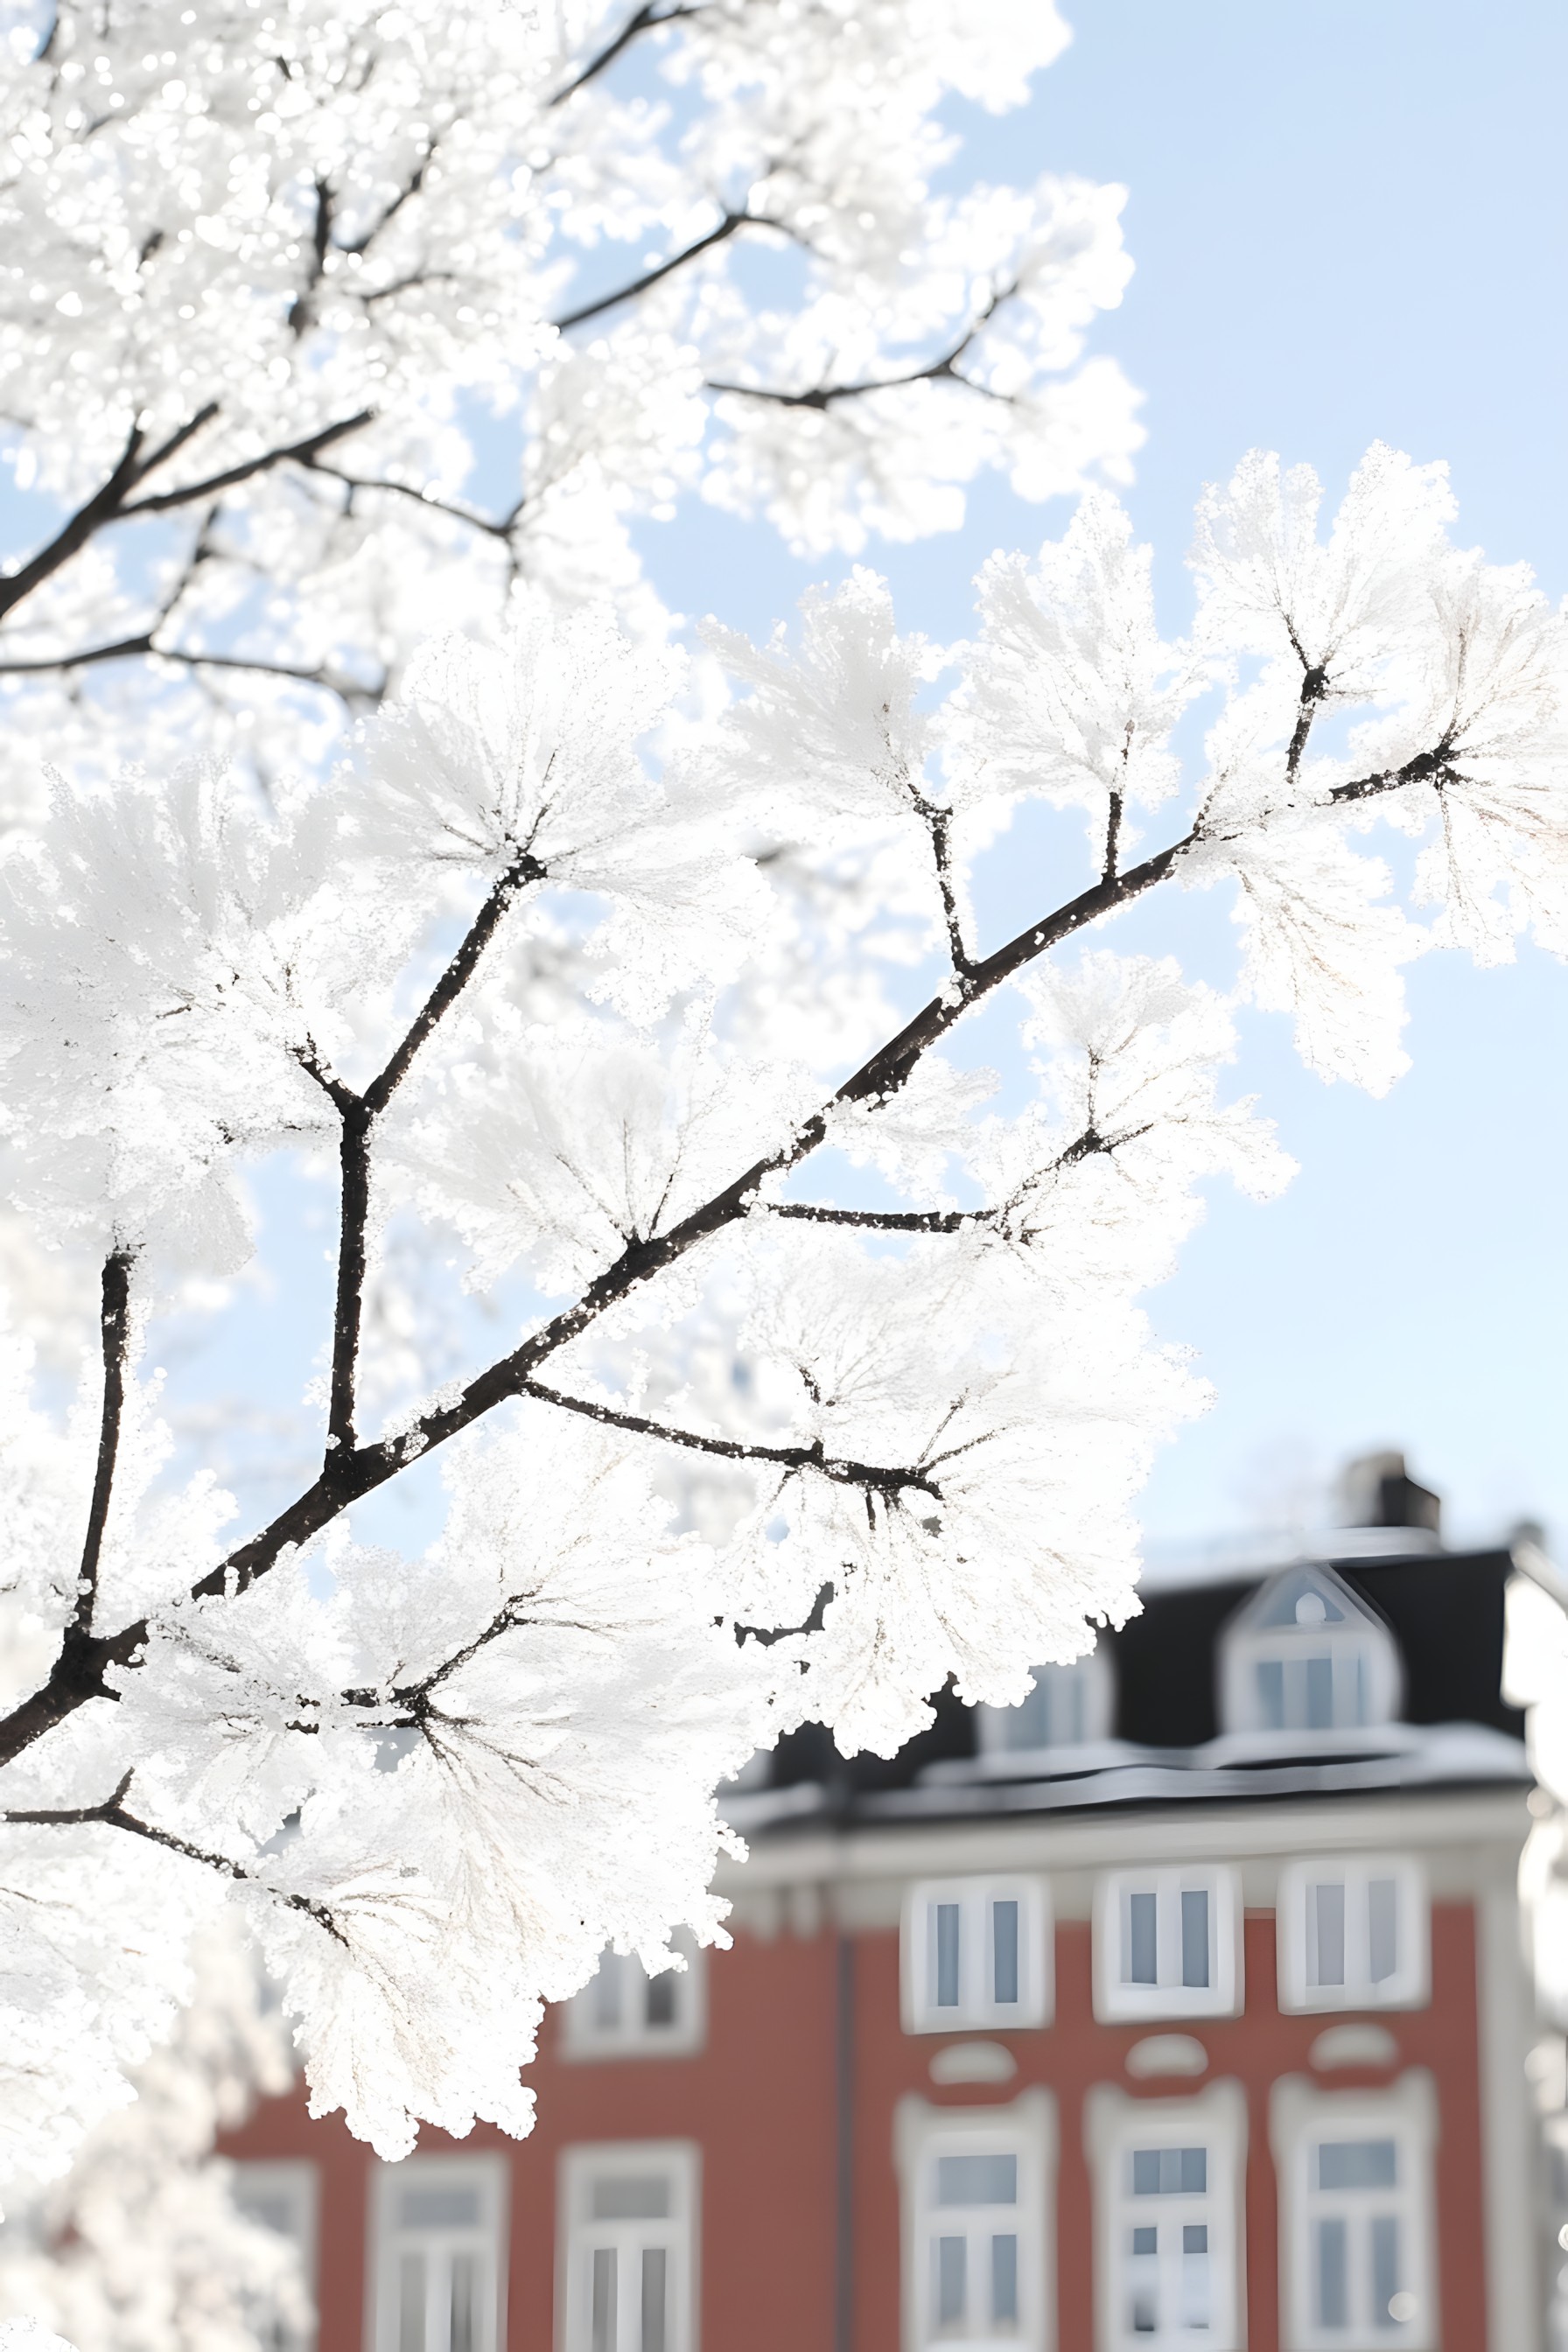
x=114, y=1327
x=875, y=1478
x=113, y=1815
x=644, y=21
x=629, y=293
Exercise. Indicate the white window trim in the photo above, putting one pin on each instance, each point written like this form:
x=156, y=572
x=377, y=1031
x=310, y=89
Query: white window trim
x=297, y=2180
x=1411, y=1985
x=576, y=2168
x=1244, y=1642
x=993, y=1723
x=1116, y=2003
x=584, y=2040
x=491, y=2175
x=1027, y=2124
x=1299, y=2113
x=1036, y=1941
x=1114, y=2123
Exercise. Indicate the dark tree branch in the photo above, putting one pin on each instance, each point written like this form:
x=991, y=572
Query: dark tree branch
x=106, y=505
x=497, y=530
x=884, y=1221
x=113, y=1815
x=114, y=1329
x=1112, y=838
x=629, y=293
x=298, y=452
x=874, y=1477
x=357, y=1114
x=645, y=20
x=131, y=648
x=825, y=396
x=938, y=823
x=350, y=1477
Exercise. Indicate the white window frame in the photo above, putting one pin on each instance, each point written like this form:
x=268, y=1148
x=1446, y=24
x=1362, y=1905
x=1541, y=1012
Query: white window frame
x=588, y=2035
x=1025, y=2128
x=488, y=2176
x=296, y=2183
x=1301, y=2117
x=1118, y=2001
x=579, y=2236
x=998, y=1726
x=1115, y=2125
x=1297, y=1933
x=924, y=1950
x=1363, y=1653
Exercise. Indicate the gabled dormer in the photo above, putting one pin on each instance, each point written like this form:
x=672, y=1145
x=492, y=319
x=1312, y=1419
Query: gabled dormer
x=1305, y=1656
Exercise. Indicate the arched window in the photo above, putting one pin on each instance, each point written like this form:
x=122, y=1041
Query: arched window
x=1306, y=1656
x=1071, y=1705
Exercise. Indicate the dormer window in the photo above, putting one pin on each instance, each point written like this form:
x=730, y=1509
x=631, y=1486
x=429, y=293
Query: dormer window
x=1305, y=1655
x=1071, y=1705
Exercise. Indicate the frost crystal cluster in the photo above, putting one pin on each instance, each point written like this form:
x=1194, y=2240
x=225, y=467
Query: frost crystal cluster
x=326, y=322
x=612, y=989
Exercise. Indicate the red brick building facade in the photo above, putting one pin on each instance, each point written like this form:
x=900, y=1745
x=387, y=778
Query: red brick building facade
x=1051, y=2034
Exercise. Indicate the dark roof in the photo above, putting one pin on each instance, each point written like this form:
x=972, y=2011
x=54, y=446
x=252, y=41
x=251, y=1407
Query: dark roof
x=1445, y=1611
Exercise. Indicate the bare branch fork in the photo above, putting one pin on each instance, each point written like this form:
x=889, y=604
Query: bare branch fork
x=352, y=1470
x=113, y=1815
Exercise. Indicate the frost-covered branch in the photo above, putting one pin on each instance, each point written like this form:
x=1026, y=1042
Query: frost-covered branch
x=748, y=1460
x=872, y=1478
x=113, y=1813
x=646, y=19
x=114, y=1327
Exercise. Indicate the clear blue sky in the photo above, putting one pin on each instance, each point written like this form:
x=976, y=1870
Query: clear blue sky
x=1348, y=222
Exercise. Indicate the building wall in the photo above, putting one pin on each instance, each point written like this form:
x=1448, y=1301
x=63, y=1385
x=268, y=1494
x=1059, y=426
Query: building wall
x=760, y=2101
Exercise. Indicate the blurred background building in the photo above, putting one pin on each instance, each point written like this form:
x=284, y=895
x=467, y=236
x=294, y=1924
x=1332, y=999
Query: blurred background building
x=1186, y=2004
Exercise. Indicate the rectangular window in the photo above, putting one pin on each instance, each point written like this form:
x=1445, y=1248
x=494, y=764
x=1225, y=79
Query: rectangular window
x=1167, y=1944
x=975, y=2185
x=976, y=1952
x=283, y=2196
x=623, y=2012
x=440, y=2270
x=1354, y=2172
x=1167, y=2188
x=628, y=2261
x=1353, y=1933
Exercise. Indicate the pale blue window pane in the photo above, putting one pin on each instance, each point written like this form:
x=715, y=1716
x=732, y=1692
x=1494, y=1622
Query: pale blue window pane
x=602, y=2311
x=977, y=2180
x=1003, y=2281
x=1195, y=2277
x=1271, y=1693
x=1144, y=2284
x=1320, y=1693
x=1170, y=2171
x=1005, y=1952
x=1385, y=2280
x=1194, y=1936
x=947, y=1955
x=951, y=2280
x=1142, y=1948
x=1357, y=2164
x=655, y=2299
x=1328, y=1933
x=631, y=2197
x=411, y=2304
x=1333, y=2281
x=605, y=1992
x=1382, y=1929
x=463, y=2303
x=439, y=2209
